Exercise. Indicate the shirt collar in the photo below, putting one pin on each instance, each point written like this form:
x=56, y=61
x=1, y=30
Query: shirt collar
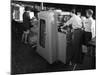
x=91, y=18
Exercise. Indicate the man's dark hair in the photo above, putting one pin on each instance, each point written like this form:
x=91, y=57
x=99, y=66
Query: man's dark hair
x=73, y=11
x=26, y=8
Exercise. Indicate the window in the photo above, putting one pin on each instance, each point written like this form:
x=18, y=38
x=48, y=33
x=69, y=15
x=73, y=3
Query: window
x=42, y=33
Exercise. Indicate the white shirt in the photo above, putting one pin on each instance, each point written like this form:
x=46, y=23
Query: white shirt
x=75, y=21
x=89, y=26
x=93, y=29
x=31, y=14
x=83, y=19
x=21, y=13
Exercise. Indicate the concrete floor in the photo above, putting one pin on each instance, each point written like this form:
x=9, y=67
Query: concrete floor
x=26, y=60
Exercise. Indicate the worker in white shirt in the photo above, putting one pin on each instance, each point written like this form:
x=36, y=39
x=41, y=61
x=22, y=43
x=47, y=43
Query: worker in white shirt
x=89, y=27
x=77, y=34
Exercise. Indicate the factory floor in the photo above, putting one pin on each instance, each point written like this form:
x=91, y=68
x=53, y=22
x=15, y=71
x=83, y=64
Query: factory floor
x=25, y=60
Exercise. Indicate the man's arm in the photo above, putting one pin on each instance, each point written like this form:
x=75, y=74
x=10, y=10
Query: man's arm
x=69, y=22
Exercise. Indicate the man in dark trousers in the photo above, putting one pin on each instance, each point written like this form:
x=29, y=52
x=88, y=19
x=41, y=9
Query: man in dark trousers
x=77, y=34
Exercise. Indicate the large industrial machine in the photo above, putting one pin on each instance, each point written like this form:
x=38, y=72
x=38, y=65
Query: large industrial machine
x=51, y=42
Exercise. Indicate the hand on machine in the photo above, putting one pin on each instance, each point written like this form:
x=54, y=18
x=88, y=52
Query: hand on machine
x=66, y=29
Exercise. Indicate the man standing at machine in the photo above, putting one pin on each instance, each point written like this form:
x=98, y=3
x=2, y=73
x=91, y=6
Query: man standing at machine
x=89, y=31
x=89, y=27
x=77, y=34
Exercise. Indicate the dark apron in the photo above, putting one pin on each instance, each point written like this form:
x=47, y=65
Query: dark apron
x=77, y=41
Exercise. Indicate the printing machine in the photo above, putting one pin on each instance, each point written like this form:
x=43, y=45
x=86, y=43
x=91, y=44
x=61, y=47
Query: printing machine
x=51, y=42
